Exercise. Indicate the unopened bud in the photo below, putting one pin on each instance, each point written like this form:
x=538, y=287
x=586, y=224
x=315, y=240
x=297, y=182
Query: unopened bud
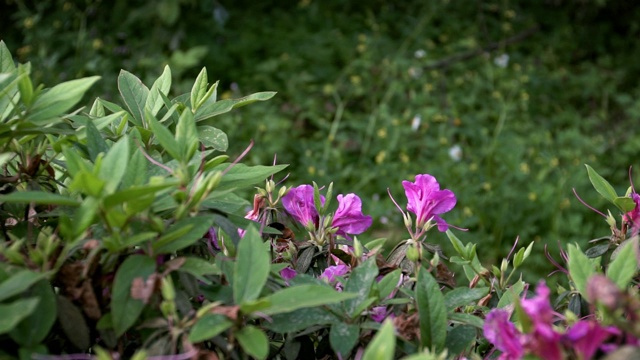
x=413, y=253
x=270, y=186
x=357, y=248
x=407, y=220
x=282, y=192
x=600, y=289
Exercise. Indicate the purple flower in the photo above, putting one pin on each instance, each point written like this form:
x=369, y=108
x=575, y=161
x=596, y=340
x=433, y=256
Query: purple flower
x=633, y=216
x=427, y=201
x=503, y=334
x=543, y=341
x=288, y=274
x=378, y=313
x=299, y=203
x=349, y=218
x=330, y=273
x=585, y=337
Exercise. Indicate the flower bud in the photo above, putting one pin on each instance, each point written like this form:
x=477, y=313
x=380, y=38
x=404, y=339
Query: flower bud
x=282, y=191
x=413, y=253
x=600, y=289
x=357, y=248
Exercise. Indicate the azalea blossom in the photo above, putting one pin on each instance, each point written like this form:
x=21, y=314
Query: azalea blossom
x=329, y=274
x=349, y=218
x=587, y=336
x=300, y=205
x=427, y=201
x=633, y=216
x=288, y=274
x=503, y=334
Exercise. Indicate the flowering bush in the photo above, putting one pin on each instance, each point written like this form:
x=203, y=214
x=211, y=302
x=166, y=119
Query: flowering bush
x=125, y=235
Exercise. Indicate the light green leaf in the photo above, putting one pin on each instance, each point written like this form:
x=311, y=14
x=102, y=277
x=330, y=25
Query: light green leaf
x=38, y=197
x=512, y=294
x=115, y=164
x=360, y=281
x=213, y=138
x=463, y=296
x=134, y=94
x=59, y=99
x=209, y=326
x=253, y=341
x=19, y=282
x=302, y=296
x=12, y=313
x=210, y=109
x=389, y=283
x=464, y=318
x=162, y=85
x=186, y=136
x=601, y=185
x=6, y=60
x=199, y=89
x=624, y=203
x=241, y=175
x=125, y=310
x=164, y=136
x=625, y=265
x=34, y=328
x=383, y=345
x=580, y=268
x=432, y=311
x=135, y=192
x=251, y=268
x=85, y=214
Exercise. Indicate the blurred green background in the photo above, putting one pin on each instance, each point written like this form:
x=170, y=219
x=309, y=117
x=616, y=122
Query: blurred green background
x=503, y=101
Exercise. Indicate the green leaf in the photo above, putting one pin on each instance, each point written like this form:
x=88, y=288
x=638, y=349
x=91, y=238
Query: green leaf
x=183, y=233
x=38, y=197
x=115, y=164
x=209, y=326
x=186, y=136
x=213, y=138
x=134, y=94
x=137, y=171
x=34, y=328
x=302, y=296
x=432, y=311
x=85, y=214
x=73, y=323
x=95, y=141
x=125, y=310
x=389, y=283
x=136, y=192
x=512, y=294
x=625, y=265
x=468, y=319
x=343, y=337
x=164, y=136
x=19, y=282
x=241, y=175
x=360, y=282
x=199, y=89
x=601, y=185
x=301, y=319
x=383, y=345
x=463, y=296
x=253, y=341
x=211, y=108
x=580, y=268
x=251, y=268
x=624, y=203
x=162, y=85
x=6, y=61
x=199, y=267
x=460, y=338
x=12, y=313
x=59, y=99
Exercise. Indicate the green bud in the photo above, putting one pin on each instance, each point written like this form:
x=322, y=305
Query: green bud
x=407, y=220
x=413, y=253
x=357, y=248
x=168, y=291
x=435, y=260
x=270, y=186
x=282, y=192
x=503, y=266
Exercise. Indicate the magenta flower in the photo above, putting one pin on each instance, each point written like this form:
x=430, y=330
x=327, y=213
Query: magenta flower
x=633, y=216
x=299, y=203
x=329, y=274
x=288, y=274
x=427, y=201
x=349, y=218
x=543, y=341
x=503, y=334
x=585, y=337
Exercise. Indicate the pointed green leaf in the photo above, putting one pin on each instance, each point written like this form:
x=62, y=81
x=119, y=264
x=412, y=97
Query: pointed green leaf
x=183, y=233
x=213, y=138
x=39, y=197
x=34, y=328
x=95, y=141
x=512, y=294
x=601, y=185
x=463, y=296
x=253, y=341
x=73, y=323
x=209, y=326
x=302, y=296
x=19, y=282
x=134, y=94
x=389, y=283
x=55, y=101
x=343, y=337
x=210, y=109
x=199, y=88
x=360, y=282
x=12, y=313
x=125, y=309
x=301, y=319
x=624, y=203
x=115, y=164
x=6, y=60
x=164, y=136
x=580, y=268
x=186, y=136
x=383, y=345
x=135, y=192
x=432, y=311
x=625, y=265
x=162, y=85
x=251, y=268
x=460, y=338
x=241, y=175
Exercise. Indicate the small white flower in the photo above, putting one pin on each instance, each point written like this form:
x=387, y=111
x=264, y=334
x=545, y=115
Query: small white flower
x=415, y=72
x=415, y=122
x=384, y=220
x=419, y=54
x=502, y=60
x=455, y=153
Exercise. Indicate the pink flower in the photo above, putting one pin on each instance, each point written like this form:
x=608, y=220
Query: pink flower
x=585, y=337
x=288, y=274
x=299, y=203
x=329, y=274
x=254, y=213
x=427, y=201
x=349, y=218
x=633, y=216
x=503, y=334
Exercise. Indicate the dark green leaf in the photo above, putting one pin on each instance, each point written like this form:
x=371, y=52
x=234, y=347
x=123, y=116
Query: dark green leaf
x=199, y=267
x=164, y=136
x=598, y=250
x=468, y=319
x=12, y=313
x=463, y=296
x=95, y=141
x=301, y=296
x=73, y=323
x=360, y=282
x=601, y=185
x=253, y=341
x=383, y=345
x=183, y=233
x=186, y=136
x=251, y=268
x=135, y=192
x=59, y=99
x=38, y=197
x=301, y=319
x=343, y=337
x=208, y=327
x=134, y=94
x=125, y=309
x=460, y=338
x=432, y=311
x=33, y=329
